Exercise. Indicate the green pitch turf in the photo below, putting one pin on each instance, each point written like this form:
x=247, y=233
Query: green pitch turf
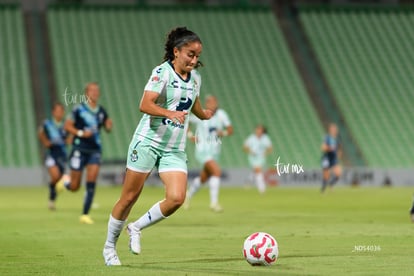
x=350, y=231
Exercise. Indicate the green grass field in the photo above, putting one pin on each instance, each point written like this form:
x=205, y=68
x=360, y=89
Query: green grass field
x=317, y=234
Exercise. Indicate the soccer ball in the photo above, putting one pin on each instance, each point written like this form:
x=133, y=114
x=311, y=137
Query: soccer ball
x=260, y=249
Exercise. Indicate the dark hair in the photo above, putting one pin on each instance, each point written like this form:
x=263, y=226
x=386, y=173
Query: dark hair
x=177, y=38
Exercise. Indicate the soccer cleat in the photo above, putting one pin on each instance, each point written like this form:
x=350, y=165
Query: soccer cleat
x=86, y=219
x=111, y=257
x=134, y=239
x=61, y=184
x=216, y=208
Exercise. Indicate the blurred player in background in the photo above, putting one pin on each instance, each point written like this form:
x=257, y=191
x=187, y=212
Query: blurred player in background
x=207, y=138
x=258, y=146
x=159, y=140
x=412, y=212
x=53, y=136
x=331, y=153
x=85, y=123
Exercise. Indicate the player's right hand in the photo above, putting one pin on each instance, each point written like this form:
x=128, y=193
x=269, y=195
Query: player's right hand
x=177, y=117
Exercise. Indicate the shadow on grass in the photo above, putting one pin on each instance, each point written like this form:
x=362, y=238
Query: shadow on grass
x=188, y=267
x=203, y=260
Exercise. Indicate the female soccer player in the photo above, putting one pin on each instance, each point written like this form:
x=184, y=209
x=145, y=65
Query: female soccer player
x=208, y=137
x=85, y=123
x=331, y=152
x=159, y=140
x=257, y=146
x=54, y=137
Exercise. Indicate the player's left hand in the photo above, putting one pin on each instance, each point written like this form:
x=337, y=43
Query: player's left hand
x=108, y=125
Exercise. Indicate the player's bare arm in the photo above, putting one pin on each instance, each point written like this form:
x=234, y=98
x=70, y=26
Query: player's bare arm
x=226, y=132
x=149, y=107
x=108, y=125
x=202, y=114
x=69, y=139
x=339, y=152
x=269, y=150
x=70, y=127
x=246, y=149
x=43, y=138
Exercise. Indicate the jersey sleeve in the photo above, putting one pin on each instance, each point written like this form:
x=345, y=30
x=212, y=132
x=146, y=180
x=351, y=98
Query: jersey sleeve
x=197, y=82
x=73, y=114
x=158, y=80
x=225, y=119
x=65, y=133
x=105, y=117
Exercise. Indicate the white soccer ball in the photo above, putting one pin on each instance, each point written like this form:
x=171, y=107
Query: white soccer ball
x=260, y=249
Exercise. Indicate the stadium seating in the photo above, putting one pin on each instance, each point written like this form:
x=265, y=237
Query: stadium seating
x=366, y=56
x=247, y=65
x=18, y=139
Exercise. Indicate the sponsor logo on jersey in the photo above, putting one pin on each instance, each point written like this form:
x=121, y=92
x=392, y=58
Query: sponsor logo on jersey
x=167, y=121
x=174, y=84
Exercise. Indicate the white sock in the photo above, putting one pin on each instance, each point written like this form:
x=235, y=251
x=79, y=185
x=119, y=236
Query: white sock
x=194, y=187
x=260, y=183
x=153, y=216
x=214, y=183
x=114, y=229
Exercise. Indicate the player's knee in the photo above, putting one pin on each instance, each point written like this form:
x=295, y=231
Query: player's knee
x=129, y=199
x=179, y=200
x=216, y=172
x=176, y=200
x=257, y=170
x=74, y=188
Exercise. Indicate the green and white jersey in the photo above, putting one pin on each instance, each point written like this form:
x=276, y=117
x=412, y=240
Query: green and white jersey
x=207, y=130
x=258, y=145
x=176, y=94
